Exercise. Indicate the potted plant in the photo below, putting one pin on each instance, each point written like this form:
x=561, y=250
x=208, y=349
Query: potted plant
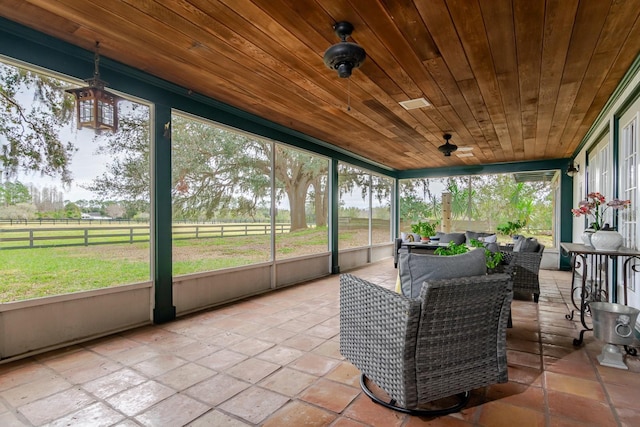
x=425, y=229
x=492, y=259
x=452, y=249
x=511, y=228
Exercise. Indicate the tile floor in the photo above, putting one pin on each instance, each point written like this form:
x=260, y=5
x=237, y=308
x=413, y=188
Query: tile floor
x=274, y=360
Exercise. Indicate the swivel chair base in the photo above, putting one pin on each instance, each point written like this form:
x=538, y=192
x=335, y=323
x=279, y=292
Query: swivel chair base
x=463, y=399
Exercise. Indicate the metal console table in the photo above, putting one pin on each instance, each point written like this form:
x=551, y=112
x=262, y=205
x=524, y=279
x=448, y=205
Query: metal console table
x=591, y=267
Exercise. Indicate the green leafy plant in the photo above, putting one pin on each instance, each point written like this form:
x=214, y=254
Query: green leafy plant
x=452, y=249
x=425, y=228
x=492, y=259
x=511, y=228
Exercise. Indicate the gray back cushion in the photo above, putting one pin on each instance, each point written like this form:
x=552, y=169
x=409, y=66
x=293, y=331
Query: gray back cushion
x=415, y=268
x=457, y=238
x=529, y=244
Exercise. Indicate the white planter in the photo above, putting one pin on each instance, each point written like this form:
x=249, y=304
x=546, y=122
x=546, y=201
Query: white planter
x=606, y=240
x=586, y=236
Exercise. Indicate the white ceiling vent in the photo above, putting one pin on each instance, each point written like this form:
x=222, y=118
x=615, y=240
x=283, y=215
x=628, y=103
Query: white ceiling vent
x=412, y=104
x=464, y=154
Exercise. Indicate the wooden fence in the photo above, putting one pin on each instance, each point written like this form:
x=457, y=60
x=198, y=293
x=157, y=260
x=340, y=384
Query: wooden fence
x=25, y=238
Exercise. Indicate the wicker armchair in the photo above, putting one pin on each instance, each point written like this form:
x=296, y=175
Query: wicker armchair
x=450, y=340
x=526, y=269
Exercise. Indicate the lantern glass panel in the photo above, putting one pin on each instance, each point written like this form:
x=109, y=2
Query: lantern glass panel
x=86, y=110
x=105, y=112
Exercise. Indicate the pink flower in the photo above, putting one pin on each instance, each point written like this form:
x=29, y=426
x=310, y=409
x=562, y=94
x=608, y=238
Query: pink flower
x=595, y=205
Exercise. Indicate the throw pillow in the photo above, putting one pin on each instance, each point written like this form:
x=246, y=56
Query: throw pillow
x=492, y=246
x=416, y=268
x=472, y=235
x=492, y=238
x=528, y=244
x=409, y=237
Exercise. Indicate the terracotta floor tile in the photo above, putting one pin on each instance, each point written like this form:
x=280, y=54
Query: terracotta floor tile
x=345, y=373
x=442, y=421
x=251, y=346
x=135, y=355
x=96, y=415
x=113, y=383
x=303, y=342
x=111, y=345
x=330, y=395
x=55, y=406
x=254, y=404
x=288, y=382
x=346, y=422
x=276, y=335
x=22, y=372
x=323, y=331
x=185, y=376
x=74, y=360
x=556, y=421
x=280, y=355
x=576, y=386
x=579, y=408
x=521, y=358
x=32, y=391
x=498, y=414
x=618, y=376
x=524, y=346
x=196, y=350
x=139, y=398
x=517, y=394
x=629, y=417
x=158, y=365
x=177, y=410
x=372, y=414
x=314, y=364
x=225, y=339
x=329, y=349
x=217, y=389
x=252, y=370
x=300, y=414
x=525, y=375
x=221, y=360
x=567, y=367
x=622, y=397
x=217, y=418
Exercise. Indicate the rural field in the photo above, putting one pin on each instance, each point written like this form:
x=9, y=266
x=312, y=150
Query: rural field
x=53, y=270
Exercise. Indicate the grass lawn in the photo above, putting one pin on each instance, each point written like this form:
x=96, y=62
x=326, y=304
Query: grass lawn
x=41, y=272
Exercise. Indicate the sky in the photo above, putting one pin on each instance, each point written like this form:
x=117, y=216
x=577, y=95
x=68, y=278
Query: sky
x=85, y=166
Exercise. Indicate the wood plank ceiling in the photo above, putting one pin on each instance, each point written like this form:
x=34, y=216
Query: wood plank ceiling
x=512, y=80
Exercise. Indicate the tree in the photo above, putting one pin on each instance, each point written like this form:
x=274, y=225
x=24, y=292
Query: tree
x=12, y=193
x=30, y=130
x=215, y=172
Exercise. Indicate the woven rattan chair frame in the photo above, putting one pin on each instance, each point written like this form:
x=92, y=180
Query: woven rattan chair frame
x=450, y=340
x=526, y=270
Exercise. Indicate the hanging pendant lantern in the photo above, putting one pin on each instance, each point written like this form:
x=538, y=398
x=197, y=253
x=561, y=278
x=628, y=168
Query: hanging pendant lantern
x=96, y=108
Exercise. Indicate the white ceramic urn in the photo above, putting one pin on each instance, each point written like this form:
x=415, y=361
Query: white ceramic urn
x=606, y=240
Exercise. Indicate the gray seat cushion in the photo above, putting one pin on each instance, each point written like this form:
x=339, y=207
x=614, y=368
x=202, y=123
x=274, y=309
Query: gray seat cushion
x=415, y=269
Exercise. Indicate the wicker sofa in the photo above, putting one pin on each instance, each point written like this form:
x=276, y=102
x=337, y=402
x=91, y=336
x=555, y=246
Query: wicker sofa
x=450, y=340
